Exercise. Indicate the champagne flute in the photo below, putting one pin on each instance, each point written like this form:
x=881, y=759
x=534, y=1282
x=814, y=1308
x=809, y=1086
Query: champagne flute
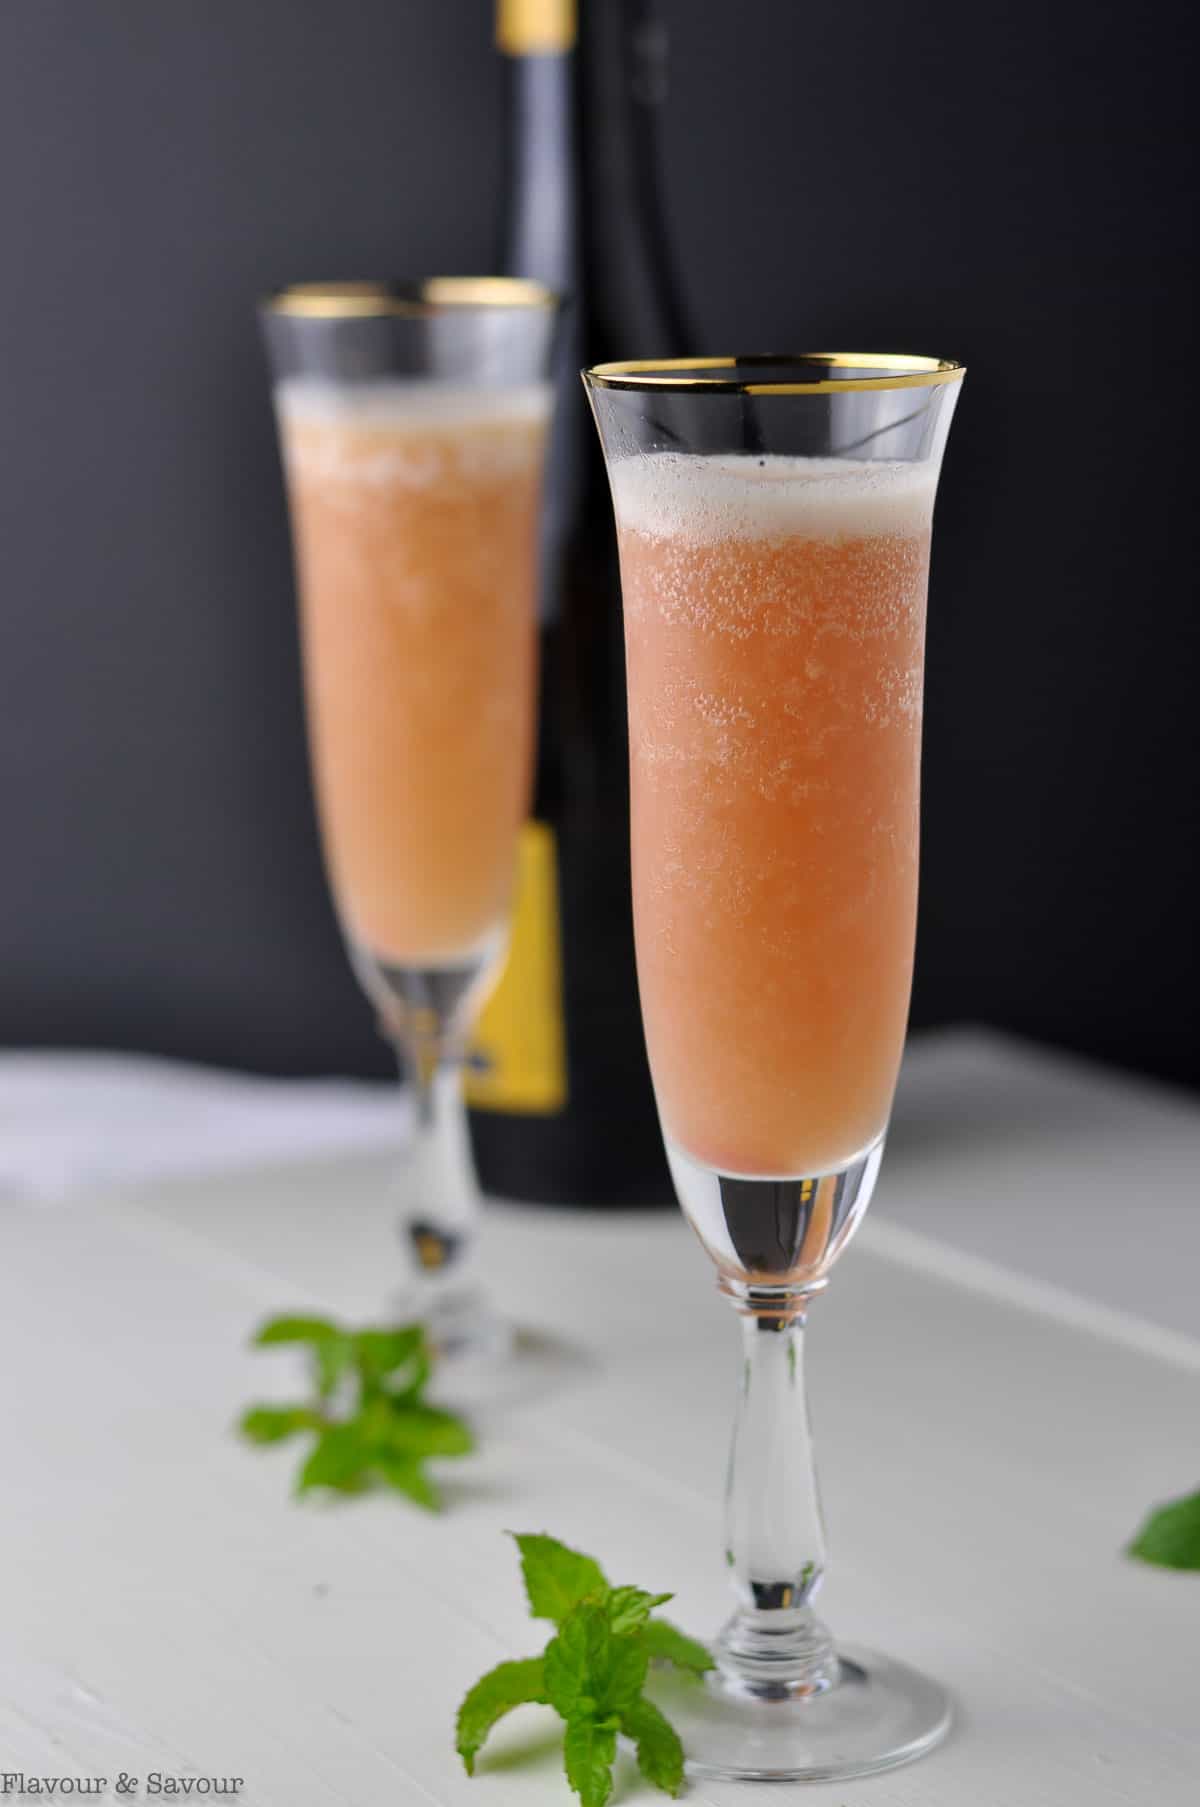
x=412, y=422
x=774, y=518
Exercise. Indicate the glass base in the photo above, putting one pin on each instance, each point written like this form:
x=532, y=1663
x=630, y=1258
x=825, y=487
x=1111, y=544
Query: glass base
x=877, y=1715
x=460, y=1322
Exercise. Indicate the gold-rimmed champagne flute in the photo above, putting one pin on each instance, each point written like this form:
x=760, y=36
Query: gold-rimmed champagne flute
x=412, y=423
x=774, y=519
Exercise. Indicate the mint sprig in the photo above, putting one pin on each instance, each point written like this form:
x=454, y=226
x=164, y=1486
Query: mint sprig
x=1170, y=1535
x=368, y=1420
x=591, y=1672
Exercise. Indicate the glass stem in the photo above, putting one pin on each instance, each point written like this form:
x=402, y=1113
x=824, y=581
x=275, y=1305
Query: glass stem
x=441, y=1214
x=441, y=1191
x=775, y=1543
x=426, y=1013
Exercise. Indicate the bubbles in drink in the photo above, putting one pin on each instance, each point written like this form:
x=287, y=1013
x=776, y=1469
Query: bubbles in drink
x=414, y=511
x=774, y=614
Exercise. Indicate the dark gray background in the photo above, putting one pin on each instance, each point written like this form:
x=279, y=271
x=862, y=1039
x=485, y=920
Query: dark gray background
x=1008, y=183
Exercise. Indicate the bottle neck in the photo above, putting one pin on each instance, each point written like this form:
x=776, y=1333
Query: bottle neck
x=542, y=228
x=633, y=294
x=585, y=212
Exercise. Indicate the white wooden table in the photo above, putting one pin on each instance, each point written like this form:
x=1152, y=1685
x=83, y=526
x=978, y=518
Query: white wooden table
x=1006, y=1372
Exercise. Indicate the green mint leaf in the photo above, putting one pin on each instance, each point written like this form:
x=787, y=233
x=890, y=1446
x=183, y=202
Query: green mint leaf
x=405, y=1475
x=422, y=1430
x=331, y=1360
x=666, y=1643
x=378, y=1354
x=625, y=1673
x=556, y=1578
x=577, y=1660
x=272, y=1423
x=1170, y=1536
x=370, y=1420
x=586, y=1663
x=629, y=1607
x=659, y=1752
x=592, y=1672
x=589, y=1751
x=294, y=1330
x=329, y=1347
x=507, y=1686
x=339, y=1459
x=410, y=1384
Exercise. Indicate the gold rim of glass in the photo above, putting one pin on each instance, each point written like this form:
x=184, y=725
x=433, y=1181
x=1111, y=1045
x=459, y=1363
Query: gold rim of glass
x=407, y=300
x=903, y=372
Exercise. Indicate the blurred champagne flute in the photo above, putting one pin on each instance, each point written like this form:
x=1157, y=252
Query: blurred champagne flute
x=412, y=423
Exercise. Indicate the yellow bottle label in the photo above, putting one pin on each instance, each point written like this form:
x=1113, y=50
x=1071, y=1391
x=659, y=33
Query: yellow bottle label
x=533, y=27
x=518, y=1056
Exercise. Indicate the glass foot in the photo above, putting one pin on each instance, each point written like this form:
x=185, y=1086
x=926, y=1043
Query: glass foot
x=460, y=1322
x=878, y=1715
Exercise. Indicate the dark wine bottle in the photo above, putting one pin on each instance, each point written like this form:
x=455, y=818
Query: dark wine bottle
x=561, y=1104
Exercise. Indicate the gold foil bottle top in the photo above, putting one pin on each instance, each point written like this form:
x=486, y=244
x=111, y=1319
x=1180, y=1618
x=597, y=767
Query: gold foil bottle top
x=534, y=27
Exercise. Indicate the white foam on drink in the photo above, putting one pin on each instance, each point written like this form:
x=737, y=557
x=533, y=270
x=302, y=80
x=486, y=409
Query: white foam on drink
x=398, y=431
x=414, y=403
x=703, y=499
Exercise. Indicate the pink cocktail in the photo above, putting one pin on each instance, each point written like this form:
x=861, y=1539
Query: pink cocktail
x=773, y=517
